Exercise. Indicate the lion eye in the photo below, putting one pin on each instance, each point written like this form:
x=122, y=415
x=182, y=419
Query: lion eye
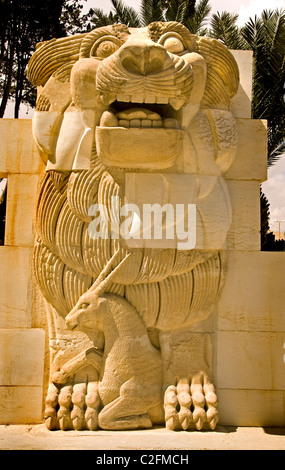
x=84, y=305
x=104, y=47
x=172, y=43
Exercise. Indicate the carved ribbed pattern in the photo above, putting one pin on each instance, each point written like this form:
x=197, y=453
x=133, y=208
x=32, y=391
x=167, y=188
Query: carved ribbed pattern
x=164, y=285
x=222, y=73
x=171, y=302
x=87, y=183
x=51, y=56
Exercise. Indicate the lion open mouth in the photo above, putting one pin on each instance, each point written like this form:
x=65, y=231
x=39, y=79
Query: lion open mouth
x=140, y=131
x=156, y=113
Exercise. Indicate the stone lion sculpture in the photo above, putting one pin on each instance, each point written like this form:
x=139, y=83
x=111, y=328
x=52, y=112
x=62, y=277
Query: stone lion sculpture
x=137, y=116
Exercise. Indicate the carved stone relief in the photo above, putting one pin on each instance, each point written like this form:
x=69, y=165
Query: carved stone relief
x=127, y=118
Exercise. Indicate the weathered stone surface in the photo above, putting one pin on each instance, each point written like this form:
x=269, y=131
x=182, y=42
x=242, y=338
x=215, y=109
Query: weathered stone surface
x=251, y=159
x=21, y=375
x=21, y=199
x=241, y=102
x=244, y=233
x=21, y=359
x=250, y=360
x=15, y=301
x=21, y=405
x=18, y=152
x=258, y=407
x=252, y=298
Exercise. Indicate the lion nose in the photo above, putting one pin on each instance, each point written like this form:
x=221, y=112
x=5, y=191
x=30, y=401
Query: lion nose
x=143, y=59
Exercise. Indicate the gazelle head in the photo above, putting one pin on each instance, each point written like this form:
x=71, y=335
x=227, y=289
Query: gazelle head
x=90, y=305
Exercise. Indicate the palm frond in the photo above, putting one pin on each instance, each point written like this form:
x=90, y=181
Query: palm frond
x=179, y=10
x=224, y=28
x=200, y=17
x=99, y=18
x=266, y=37
x=276, y=154
x=151, y=11
x=126, y=15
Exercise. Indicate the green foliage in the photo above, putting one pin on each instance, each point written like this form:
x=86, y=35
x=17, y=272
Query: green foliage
x=177, y=10
x=266, y=37
x=126, y=15
x=151, y=11
x=23, y=24
x=223, y=27
x=198, y=21
x=99, y=18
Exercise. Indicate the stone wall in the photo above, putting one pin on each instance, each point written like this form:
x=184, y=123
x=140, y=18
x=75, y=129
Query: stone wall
x=22, y=345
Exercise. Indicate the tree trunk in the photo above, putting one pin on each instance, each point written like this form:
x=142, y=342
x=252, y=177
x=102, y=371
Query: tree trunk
x=7, y=86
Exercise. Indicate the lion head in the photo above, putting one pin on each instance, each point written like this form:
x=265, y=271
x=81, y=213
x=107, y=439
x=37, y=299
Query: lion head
x=130, y=92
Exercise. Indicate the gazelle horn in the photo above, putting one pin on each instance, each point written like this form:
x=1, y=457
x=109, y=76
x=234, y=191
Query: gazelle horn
x=105, y=277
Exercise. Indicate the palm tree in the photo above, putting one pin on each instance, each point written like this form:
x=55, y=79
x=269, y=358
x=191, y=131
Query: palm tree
x=223, y=27
x=266, y=37
x=197, y=23
x=122, y=14
x=184, y=11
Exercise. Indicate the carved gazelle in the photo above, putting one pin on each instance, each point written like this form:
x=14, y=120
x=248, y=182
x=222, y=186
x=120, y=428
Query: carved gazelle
x=130, y=383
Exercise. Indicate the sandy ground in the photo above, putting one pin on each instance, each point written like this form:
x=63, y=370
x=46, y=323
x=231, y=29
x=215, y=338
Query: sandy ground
x=37, y=437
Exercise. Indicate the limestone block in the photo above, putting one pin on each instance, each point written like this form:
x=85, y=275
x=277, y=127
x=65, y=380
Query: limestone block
x=21, y=199
x=21, y=405
x=241, y=102
x=250, y=360
x=207, y=195
x=253, y=295
x=244, y=233
x=251, y=408
x=18, y=152
x=15, y=274
x=22, y=357
x=250, y=162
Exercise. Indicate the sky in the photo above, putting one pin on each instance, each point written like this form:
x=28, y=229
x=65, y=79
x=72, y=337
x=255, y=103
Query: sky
x=274, y=187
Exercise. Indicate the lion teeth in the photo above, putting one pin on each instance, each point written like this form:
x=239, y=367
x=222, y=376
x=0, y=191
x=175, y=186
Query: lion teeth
x=108, y=119
x=144, y=123
x=135, y=123
x=123, y=98
x=162, y=100
x=124, y=123
x=171, y=123
x=157, y=124
x=147, y=99
x=137, y=99
x=176, y=103
x=138, y=113
x=168, y=123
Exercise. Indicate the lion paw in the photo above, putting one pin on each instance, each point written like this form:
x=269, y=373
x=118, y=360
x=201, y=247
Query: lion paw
x=72, y=406
x=191, y=404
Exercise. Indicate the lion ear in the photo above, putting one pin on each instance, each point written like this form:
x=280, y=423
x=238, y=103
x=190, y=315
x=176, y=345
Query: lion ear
x=54, y=57
x=222, y=73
